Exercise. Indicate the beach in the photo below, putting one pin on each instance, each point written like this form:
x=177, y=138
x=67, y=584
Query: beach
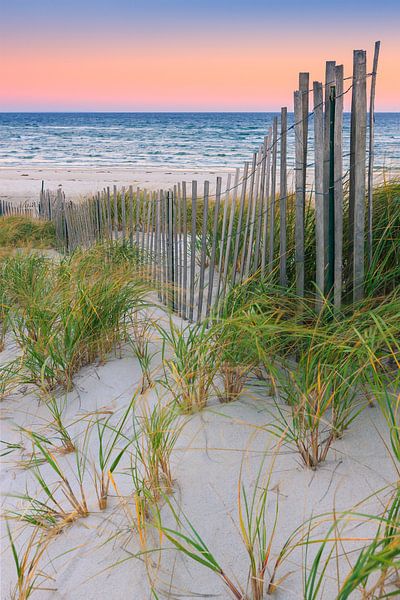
x=23, y=184
x=85, y=152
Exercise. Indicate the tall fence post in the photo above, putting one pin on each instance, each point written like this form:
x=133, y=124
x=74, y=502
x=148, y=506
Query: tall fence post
x=170, y=250
x=283, y=200
x=299, y=221
x=319, y=190
x=371, y=119
x=329, y=80
x=357, y=172
x=338, y=187
x=331, y=196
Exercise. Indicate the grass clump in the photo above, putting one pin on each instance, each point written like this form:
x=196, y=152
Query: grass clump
x=319, y=363
x=20, y=231
x=257, y=530
x=159, y=429
x=371, y=572
x=68, y=314
x=190, y=357
x=27, y=561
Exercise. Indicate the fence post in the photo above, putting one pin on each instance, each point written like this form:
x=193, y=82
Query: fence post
x=229, y=238
x=203, y=250
x=299, y=222
x=357, y=172
x=319, y=190
x=170, y=250
x=239, y=223
x=338, y=185
x=273, y=194
x=304, y=82
x=185, y=251
x=193, y=250
x=371, y=149
x=283, y=200
x=331, y=207
x=329, y=81
x=214, y=246
x=123, y=215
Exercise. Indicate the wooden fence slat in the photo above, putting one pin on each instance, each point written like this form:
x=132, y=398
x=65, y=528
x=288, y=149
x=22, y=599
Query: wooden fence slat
x=193, y=250
x=261, y=207
x=131, y=216
x=273, y=194
x=203, y=250
x=223, y=234
x=248, y=214
x=239, y=223
x=264, y=249
x=137, y=220
x=253, y=214
x=143, y=220
x=157, y=243
x=357, y=182
x=299, y=224
x=329, y=80
x=319, y=190
x=115, y=213
x=229, y=237
x=179, y=256
x=338, y=186
x=170, y=249
x=283, y=201
x=185, y=251
x=214, y=246
x=371, y=120
x=304, y=84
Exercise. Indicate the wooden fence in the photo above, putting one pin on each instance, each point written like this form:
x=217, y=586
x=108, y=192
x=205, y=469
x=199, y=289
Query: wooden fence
x=196, y=245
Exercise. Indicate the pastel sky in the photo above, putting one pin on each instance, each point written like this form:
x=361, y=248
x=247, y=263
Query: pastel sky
x=148, y=55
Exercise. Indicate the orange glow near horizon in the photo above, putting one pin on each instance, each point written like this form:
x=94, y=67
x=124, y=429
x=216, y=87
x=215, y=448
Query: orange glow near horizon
x=210, y=74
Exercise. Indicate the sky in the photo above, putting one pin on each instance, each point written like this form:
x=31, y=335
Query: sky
x=186, y=55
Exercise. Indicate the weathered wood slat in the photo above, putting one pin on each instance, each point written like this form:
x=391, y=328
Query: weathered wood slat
x=229, y=237
x=299, y=222
x=283, y=201
x=193, y=250
x=185, y=250
x=329, y=80
x=248, y=214
x=239, y=223
x=254, y=207
x=223, y=235
x=273, y=194
x=261, y=207
x=338, y=186
x=203, y=251
x=371, y=120
x=319, y=190
x=357, y=181
x=214, y=246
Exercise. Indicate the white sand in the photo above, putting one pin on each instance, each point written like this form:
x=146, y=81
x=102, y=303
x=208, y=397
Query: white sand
x=19, y=184
x=206, y=465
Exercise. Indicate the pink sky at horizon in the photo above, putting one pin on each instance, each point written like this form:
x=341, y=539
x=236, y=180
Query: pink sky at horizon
x=190, y=71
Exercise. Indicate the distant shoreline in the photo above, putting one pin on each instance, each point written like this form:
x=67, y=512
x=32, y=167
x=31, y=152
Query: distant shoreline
x=20, y=184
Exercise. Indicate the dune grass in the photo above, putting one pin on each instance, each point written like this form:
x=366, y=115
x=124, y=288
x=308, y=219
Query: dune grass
x=21, y=231
x=322, y=369
x=67, y=314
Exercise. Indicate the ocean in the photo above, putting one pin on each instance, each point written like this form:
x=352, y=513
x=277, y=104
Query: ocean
x=172, y=140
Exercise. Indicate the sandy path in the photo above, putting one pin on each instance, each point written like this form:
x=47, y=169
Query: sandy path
x=88, y=561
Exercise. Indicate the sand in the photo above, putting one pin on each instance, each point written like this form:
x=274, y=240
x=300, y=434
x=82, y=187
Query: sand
x=20, y=184
x=94, y=558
